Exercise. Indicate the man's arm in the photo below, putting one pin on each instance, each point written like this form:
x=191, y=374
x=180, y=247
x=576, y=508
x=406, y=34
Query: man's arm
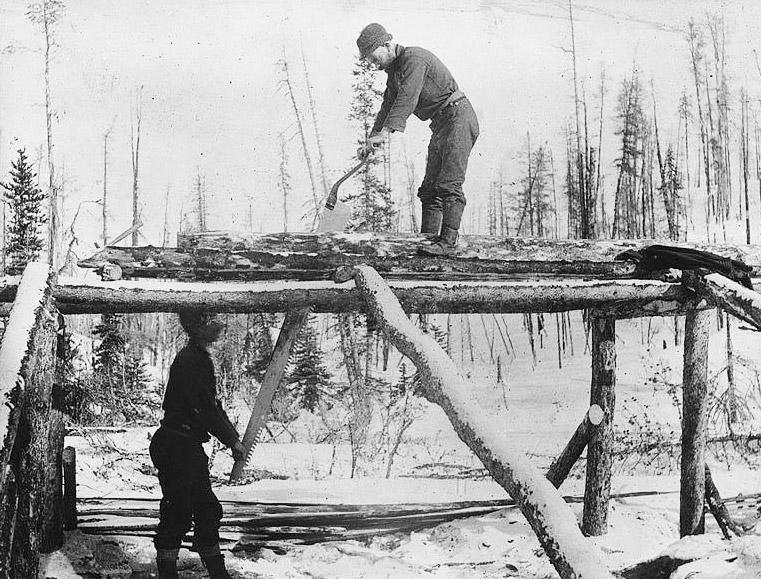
x=389, y=95
x=204, y=404
x=412, y=77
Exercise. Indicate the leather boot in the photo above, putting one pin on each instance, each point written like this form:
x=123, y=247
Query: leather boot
x=446, y=243
x=430, y=223
x=166, y=563
x=445, y=246
x=215, y=565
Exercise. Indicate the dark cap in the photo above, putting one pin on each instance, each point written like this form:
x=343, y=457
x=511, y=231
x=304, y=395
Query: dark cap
x=371, y=37
x=194, y=320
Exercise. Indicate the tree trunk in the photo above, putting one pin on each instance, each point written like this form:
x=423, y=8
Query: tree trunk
x=600, y=446
x=551, y=519
x=563, y=464
x=694, y=392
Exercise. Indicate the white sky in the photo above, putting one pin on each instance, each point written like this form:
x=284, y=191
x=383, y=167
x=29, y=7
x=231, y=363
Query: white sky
x=211, y=99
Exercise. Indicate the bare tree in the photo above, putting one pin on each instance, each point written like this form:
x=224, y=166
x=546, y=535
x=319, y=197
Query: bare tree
x=287, y=85
x=136, y=117
x=696, y=44
x=104, y=200
x=47, y=13
x=285, y=180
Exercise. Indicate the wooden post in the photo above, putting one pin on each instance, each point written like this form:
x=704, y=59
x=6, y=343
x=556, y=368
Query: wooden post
x=563, y=464
x=27, y=363
x=69, y=488
x=551, y=519
x=292, y=324
x=694, y=395
x=600, y=447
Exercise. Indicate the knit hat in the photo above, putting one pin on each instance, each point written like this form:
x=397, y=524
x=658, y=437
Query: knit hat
x=371, y=37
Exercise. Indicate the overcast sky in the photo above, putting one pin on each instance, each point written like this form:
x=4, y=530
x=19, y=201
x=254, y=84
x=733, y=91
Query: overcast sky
x=212, y=102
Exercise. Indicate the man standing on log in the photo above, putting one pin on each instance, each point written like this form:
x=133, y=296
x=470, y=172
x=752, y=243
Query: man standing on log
x=191, y=413
x=419, y=83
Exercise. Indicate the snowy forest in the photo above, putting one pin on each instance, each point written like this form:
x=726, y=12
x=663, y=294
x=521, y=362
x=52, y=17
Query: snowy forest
x=602, y=120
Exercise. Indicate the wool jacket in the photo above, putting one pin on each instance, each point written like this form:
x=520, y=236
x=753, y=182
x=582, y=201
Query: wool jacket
x=190, y=403
x=418, y=83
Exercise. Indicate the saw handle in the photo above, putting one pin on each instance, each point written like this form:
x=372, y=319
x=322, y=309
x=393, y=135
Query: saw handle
x=330, y=203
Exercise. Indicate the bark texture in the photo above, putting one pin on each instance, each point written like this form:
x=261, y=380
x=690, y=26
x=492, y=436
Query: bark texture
x=550, y=518
x=28, y=521
x=215, y=255
x=563, y=464
x=694, y=393
x=618, y=298
x=600, y=446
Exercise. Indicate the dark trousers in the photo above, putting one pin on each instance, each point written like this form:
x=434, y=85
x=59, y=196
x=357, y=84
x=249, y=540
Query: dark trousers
x=187, y=495
x=455, y=130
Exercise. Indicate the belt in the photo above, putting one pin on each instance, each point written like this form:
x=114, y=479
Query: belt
x=452, y=99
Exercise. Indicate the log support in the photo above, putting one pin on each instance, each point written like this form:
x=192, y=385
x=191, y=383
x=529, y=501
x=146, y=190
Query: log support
x=551, y=519
x=600, y=446
x=69, y=488
x=29, y=521
x=694, y=393
x=294, y=321
x=563, y=464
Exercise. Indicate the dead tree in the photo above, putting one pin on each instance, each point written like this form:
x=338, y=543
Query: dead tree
x=47, y=13
x=136, y=118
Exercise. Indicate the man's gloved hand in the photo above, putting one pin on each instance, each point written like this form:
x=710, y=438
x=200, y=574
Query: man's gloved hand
x=239, y=451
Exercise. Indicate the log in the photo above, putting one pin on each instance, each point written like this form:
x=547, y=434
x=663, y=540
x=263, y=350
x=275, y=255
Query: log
x=694, y=393
x=224, y=255
x=27, y=362
x=563, y=464
x=726, y=294
x=600, y=446
x=550, y=518
x=69, y=488
x=416, y=297
x=718, y=509
x=294, y=321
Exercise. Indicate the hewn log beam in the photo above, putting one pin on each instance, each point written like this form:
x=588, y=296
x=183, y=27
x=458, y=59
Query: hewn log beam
x=551, y=519
x=695, y=399
x=729, y=295
x=294, y=321
x=563, y=464
x=221, y=255
x=600, y=446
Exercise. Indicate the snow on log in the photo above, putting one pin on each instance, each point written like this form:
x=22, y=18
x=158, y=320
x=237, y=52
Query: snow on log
x=18, y=349
x=727, y=294
x=552, y=520
x=305, y=256
x=620, y=298
x=563, y=464
x=694, y=418
x=27, y=372
x=294, y=321
x=600, y=446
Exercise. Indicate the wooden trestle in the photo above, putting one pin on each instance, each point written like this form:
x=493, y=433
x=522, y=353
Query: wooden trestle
x=380, y=275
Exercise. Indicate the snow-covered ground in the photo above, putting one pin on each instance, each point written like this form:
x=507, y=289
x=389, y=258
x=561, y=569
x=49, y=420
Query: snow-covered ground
x=539, y=405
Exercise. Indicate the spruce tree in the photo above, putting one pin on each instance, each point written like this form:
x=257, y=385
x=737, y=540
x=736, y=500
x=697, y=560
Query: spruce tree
x=109, y=354
x=27, y=215
x=373, y=209
x=308, y=377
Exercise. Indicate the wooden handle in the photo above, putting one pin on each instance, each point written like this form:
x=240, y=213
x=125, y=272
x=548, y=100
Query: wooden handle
x=333, y=196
